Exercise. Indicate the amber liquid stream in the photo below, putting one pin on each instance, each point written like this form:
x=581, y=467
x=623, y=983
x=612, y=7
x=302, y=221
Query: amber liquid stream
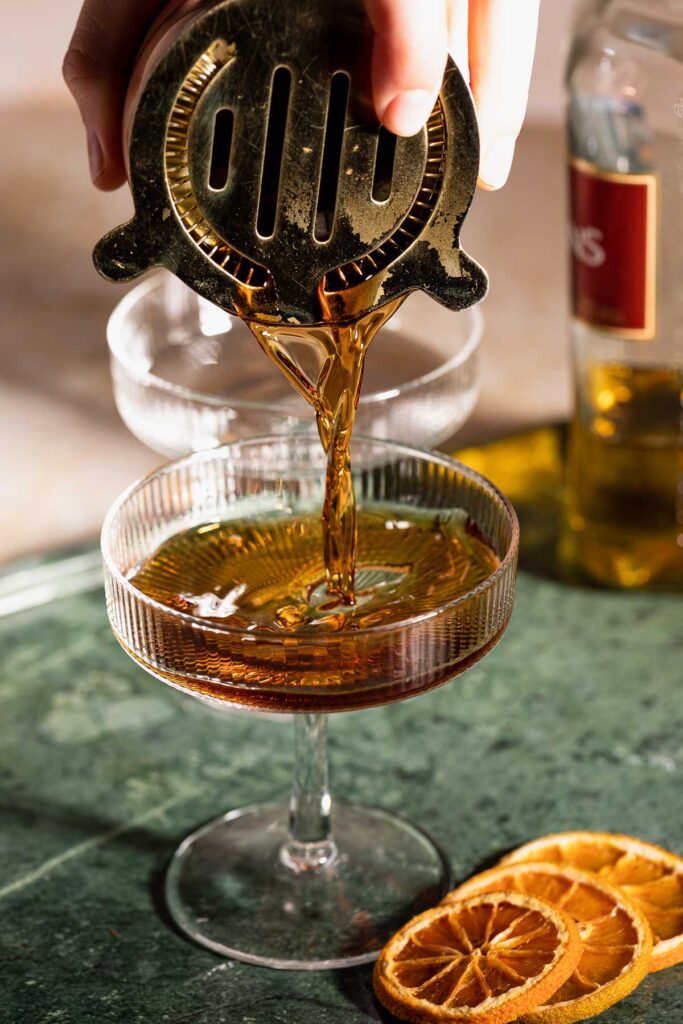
x=340, y=351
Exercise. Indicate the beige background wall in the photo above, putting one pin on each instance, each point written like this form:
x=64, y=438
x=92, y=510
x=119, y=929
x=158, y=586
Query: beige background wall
x=35, y=34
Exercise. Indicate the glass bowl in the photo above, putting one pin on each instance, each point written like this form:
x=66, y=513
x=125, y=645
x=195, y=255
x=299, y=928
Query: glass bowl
x=188, y=376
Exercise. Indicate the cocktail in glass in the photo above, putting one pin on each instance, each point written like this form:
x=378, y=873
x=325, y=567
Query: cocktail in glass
x=307, y=882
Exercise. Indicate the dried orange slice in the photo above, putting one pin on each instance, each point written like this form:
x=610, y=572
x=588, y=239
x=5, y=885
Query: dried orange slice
x=650, y=877
x=484, y=960
x=617, y=941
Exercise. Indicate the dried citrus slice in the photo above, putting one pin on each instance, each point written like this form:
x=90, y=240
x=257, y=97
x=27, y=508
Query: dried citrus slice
x=484, y=960
x=651, y=878
x=617, y=941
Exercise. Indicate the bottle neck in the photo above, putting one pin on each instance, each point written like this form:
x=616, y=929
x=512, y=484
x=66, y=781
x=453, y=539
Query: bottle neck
x=654, y=23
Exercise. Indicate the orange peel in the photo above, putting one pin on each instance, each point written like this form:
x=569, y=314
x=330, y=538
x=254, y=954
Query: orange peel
x=616, y=938
x=649, y=876
x=488, y=959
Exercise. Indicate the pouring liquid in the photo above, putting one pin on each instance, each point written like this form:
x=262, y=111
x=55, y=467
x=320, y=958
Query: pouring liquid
x=341, y=351
x=347, y=570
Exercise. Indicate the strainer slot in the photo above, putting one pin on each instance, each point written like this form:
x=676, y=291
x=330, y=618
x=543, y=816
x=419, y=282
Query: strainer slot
x=275, y=143
x=384, y=166
x=220, y=151
x=332, y=155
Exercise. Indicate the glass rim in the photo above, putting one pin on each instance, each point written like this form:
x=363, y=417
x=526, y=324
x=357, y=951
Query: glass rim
x=507, y=562
x=114, y=333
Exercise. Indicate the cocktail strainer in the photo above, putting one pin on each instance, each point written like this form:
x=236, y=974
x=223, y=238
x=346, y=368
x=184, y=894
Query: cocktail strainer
x=262, y=178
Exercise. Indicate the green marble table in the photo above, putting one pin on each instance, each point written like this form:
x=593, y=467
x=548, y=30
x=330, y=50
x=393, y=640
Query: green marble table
x=574, y=721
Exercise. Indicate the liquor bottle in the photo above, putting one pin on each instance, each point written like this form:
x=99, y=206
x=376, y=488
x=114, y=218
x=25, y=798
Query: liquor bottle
x=624, y=516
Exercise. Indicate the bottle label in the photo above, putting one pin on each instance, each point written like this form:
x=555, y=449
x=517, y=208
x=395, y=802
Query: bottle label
x=614, y=250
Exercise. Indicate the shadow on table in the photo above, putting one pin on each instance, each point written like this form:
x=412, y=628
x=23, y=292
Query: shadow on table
x=529, y=468
x=355, y=984
x=75, y=833
x=85, y=828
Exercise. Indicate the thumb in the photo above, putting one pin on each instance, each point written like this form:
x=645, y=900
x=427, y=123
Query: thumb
x=409, y=57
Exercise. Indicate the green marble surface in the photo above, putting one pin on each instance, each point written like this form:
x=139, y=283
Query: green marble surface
x=575, y=721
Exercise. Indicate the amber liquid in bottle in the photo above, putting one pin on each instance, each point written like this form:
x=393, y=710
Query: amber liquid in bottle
x=625, y=515
x=624, y=523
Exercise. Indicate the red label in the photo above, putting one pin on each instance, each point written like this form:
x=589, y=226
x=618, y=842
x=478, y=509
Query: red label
x=613, y=240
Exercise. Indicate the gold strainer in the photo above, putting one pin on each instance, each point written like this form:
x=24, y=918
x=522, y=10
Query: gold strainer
x=262, y=178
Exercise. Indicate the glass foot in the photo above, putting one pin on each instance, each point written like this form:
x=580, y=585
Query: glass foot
x=237, y=886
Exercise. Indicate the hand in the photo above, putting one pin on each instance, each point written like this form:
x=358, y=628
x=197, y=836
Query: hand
x=491, y=40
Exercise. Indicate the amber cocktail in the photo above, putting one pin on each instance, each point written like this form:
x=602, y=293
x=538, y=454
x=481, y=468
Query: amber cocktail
x=215, y=585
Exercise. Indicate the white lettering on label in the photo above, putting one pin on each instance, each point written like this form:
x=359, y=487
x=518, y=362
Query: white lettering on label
x=587, y=245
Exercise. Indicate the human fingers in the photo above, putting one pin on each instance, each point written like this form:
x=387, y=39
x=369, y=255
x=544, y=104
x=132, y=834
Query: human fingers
x=502, y=40
x=458, y=45
x=409, y=57
x=96, y=69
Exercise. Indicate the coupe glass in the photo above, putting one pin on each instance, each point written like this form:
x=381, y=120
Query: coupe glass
x=188, y=376
x=306, y=882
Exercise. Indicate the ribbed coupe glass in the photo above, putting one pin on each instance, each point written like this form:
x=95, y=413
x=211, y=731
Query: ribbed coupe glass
x=306, y=882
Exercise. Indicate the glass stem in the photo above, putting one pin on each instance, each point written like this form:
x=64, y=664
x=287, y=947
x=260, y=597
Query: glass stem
x=310, y=846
